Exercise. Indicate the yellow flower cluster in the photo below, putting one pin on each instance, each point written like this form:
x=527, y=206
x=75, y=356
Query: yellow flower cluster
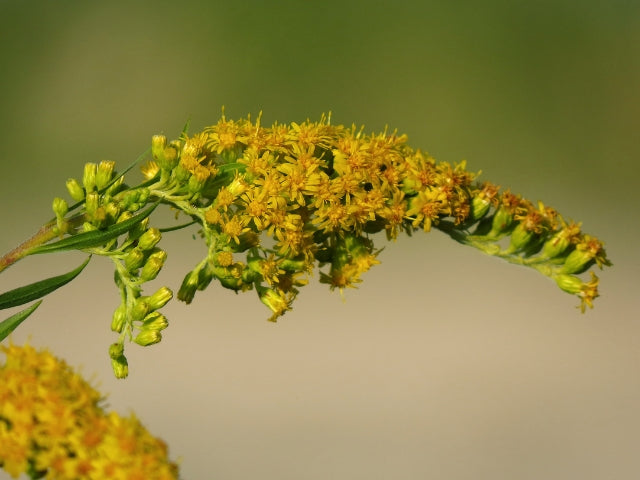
x=319, y=192
x=52, y=424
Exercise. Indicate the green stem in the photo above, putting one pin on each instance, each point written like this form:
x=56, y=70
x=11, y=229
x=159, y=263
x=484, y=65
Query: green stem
x=47, y=232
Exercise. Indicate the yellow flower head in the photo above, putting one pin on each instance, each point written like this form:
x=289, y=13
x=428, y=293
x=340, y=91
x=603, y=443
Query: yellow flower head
x=51, y=420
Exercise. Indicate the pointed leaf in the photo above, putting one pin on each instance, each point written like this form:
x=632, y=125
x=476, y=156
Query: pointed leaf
x=33, y=291
x=9, y=325
x=96, y=237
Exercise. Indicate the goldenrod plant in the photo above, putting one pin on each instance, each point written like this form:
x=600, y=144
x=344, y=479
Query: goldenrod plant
x=272, y=204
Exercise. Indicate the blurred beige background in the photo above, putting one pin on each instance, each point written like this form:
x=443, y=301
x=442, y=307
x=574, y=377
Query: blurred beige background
x=445, y=364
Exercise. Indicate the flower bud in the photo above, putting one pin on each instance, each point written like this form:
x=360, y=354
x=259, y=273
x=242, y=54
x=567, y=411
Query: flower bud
x=120, y=367
x=60, y=208
x=116, y=350
x=134, y=259
x=578, y=261
x=556, y=245
x=569, y=283
x=89, y=177
x=148, y=337
x=75, y=190
x=170, y=158
x=160, y=298
x=149, y=239
x=155, y=321
x=502, y=221
x=520, y=238
x=230, y=277
x=140, y=309
x=132, y=200
x=119, y=318
x=196, y=183
x=479, y=208
x=158, y=142
x=92, y=203
x=153, y=265
x=118, y=360
x=189, y=286
x=104, y=173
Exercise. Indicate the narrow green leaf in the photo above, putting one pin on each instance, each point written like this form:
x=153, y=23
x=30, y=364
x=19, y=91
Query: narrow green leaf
x=33, y=291
x=185, y=129
x=96, y=237
x=9, y=325
x=177, y=227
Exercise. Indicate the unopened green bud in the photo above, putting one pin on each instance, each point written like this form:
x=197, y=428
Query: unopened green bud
x=116, y=350
x=120, y=367
x=153, y=265
x=148, y=337
x=502, y=221
x=60, y=207
x=520, y=238
x=205, y=275
x=119, y=362
x=233, y=283
x=578, y=261
x=155, y=321
x=479, y=208
x=160, y=298
x=569, y=283
x=92, y=203
x=89, y=177
x=140, y=309
x=556, y=245
x=130, y=199
x=104, y=173
x=189, y=286
x=134, y=259
x=75, y=190
x=229, y=277
x=119, y=319
x=149, y=239
x=170, y=158
x=196, y=184
x=158, y=142
x=166, y=156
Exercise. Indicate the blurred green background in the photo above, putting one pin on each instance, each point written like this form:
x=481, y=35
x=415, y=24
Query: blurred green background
x=445, y=363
